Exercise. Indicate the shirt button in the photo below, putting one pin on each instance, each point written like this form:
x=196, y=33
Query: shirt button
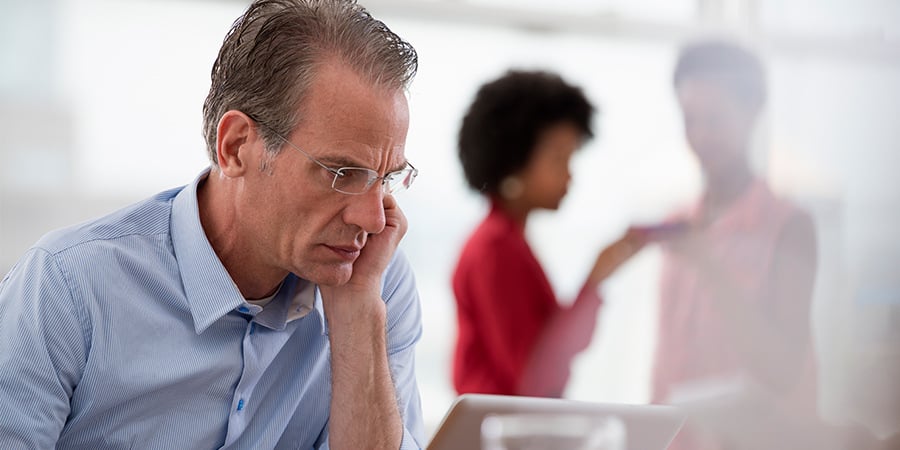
x=240, y=404
x=244, y=309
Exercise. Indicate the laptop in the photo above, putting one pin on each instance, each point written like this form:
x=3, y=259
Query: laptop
x=647, y=427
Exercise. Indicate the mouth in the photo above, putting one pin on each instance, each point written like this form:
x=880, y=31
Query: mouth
x=347, y=253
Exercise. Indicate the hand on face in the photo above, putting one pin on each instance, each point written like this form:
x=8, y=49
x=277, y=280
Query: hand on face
x=375, y=256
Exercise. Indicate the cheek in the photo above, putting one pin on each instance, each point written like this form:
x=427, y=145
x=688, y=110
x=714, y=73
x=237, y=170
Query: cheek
x=326, y=220
x=300, y=212
x=716, y=142
x=551, y=184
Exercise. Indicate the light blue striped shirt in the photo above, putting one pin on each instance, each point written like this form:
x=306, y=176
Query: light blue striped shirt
x=127, y=332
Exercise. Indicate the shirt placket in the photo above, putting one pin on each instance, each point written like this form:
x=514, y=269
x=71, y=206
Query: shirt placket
x=260, y=346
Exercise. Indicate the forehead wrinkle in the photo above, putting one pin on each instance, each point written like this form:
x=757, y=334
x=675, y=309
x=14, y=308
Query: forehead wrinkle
x=346, y=160
x=353, y=123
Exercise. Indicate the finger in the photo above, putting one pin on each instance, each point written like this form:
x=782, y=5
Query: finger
x=636, y=236
x=393, y=214
x=389, y=202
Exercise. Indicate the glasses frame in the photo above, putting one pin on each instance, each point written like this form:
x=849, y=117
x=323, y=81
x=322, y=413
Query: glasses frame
x=338, y=172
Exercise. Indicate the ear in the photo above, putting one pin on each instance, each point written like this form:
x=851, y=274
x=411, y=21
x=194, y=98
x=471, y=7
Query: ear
x=236, y=143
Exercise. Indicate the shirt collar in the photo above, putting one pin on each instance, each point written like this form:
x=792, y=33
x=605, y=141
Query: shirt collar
x=209, y=289
x=320, y=309
x=275, y=314
x=302, y=301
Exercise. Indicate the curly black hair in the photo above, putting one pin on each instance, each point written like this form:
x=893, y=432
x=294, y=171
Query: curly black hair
x=734, y=67
x=500, y=130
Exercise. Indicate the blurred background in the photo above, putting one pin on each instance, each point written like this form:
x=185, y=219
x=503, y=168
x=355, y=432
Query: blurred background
x=100, y=106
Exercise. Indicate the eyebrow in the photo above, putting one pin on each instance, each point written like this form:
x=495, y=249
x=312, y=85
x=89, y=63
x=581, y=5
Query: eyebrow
x=337, y=162
x=401, y=167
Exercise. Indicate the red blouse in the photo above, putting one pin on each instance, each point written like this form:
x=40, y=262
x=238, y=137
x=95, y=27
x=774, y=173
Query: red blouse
x=513, y=337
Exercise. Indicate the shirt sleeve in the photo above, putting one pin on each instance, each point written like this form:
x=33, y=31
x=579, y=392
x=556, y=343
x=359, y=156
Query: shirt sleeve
x=566, y=334
x=404, y=329
x=42, y=336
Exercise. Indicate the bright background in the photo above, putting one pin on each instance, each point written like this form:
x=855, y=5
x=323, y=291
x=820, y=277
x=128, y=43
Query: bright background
x=100, y=106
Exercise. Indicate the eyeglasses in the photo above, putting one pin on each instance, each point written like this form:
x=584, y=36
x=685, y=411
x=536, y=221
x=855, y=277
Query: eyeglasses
x=358, y=180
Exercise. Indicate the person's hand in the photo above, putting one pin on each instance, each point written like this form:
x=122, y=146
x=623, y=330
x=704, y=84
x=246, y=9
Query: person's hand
x=683, y=238
x=662, y=232
x=364, y=412
x=617, y=253
x=379, y=249
x=369, y=267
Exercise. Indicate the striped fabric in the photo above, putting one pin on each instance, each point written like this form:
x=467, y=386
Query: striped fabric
x=127, y=332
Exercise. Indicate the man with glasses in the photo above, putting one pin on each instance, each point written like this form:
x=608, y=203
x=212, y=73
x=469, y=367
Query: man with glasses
x=265, y=305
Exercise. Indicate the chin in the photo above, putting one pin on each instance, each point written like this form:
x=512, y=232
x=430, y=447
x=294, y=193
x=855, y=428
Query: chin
x=554, y=205
x=337, y=275
x=337, y=279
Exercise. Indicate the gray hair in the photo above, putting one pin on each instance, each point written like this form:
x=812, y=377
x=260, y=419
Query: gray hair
x=269, y=58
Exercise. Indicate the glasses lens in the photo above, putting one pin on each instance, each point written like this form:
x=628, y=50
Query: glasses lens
x=352, y=180
x=399, y=181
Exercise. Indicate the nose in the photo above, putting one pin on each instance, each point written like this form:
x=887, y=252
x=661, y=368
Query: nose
x=366, y=211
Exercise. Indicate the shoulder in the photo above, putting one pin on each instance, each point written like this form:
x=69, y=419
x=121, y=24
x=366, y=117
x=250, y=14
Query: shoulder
x=399, y=266
x=798, y=230
x=401, y=298
x=792, y=221
x=799, y=221
x=148, y=218
x=494, y=239
x=399, y=282
x=794, y=232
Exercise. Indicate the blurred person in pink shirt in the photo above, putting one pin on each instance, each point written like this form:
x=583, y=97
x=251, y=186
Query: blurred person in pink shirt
x=738, y=266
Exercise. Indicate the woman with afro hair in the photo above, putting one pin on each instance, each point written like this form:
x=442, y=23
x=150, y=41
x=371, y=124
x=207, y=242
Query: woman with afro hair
x=515, y=145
